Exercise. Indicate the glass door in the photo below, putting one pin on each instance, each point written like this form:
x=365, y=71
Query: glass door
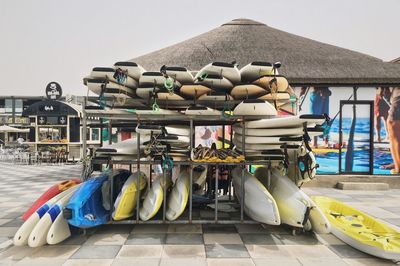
x=356, y=141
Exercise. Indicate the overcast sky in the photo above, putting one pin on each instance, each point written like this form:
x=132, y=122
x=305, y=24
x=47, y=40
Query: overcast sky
x=48, y=40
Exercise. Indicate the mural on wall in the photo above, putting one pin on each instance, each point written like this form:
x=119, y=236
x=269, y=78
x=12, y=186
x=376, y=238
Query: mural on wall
x=207, y=135
x=356, y=125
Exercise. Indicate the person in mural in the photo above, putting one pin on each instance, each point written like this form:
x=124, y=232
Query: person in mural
x=381, y=111
x=393, y=125
x=319, y=104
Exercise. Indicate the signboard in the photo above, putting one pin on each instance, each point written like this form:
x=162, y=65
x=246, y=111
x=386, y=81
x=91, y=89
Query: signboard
x=42, y=120
x=62, y=120
x=53, y=91
x=49, y=108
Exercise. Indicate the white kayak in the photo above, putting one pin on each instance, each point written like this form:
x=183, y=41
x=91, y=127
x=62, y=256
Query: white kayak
x=178, y=197
x=22, y=235
x=201, y=110
x=38, y=236
x=255, y=107
x=154, y=78
x=158, y=129
x=287, y=121
x=247, y=91
x=255, y=70
x=266, y=140
x=216, y=82
x=280, y=96
x=174, y=139
x=178, y=130
x=100, y=86
x=293, y=204
x=215, y=96
x=154, y=198
x=134, y=70
x=269, y=132
x=194, y=91
x=125, y=147
x=226, y=70
x=258, y=202
x=109, y=73
x=274, y=83
x=180, y=74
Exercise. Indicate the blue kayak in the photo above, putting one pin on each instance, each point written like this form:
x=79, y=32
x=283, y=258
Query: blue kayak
x=85, y=208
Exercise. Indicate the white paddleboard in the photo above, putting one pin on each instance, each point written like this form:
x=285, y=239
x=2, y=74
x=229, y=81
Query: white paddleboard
x=216, y=82
x=38, y=236
x=255, y=107
x=178, y=197
x=22, y=235
x=226, y=70
x=287, y=121
x=201, y=110
x=180, y=74
x=178, y=130
x=258, y=202
x=269, y=132
x=125, y=147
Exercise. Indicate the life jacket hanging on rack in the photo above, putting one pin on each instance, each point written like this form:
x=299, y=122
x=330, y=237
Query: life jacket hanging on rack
x=307, y=166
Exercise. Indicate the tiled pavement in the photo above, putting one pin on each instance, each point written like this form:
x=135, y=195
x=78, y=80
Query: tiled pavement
x=178, y=244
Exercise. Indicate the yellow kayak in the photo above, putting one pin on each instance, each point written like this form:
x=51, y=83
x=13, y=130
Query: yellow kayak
x=360, y=230
x=126, y=201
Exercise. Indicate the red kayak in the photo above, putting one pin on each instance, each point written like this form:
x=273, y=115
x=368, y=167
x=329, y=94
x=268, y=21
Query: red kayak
x=50, y=193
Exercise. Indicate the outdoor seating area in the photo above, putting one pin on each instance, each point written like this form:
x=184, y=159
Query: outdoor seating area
x=22, y=155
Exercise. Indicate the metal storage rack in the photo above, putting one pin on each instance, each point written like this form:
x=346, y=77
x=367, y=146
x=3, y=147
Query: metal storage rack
x=179, y=119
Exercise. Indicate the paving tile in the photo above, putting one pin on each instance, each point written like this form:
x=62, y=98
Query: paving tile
x=322, y=261
x=8, y=231
x=56, y=252
x=345, y=251
x=107, y=239
x=135, y=261
x=114, y=229
x=4, y=221
x=226, y=251
x=75, y=240
x=140, y=251
x=277, y=262
x=14, y=223
x=251, y=229
x=310, y=251
x=185, y=228
x=368, y=262
x=149, y=228
x=269, y=251
x=329, y=239
x=88, y=262
x=222, y=239
x=303, y=239
x=146, y=239
x=261, y=239
x=184, y=239
x=184, y=251
x=14, y=253
x=230, y=262
x=183, y=262
x=219, y=228
x=38, y=261
x=96, y=252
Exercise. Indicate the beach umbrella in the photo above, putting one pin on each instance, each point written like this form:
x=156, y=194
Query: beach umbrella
x=5, y=128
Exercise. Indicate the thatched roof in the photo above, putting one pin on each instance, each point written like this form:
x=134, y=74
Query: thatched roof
x=304, y=61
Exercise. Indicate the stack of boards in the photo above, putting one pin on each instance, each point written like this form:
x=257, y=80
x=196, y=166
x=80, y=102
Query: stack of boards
x=217, y=81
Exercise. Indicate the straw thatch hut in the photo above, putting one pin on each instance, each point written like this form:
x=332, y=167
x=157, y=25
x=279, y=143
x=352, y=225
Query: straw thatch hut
x=304, y=61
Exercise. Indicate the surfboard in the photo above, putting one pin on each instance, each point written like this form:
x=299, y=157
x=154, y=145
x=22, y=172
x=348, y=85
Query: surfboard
x=293, y=205
x=127, y=198
x=109, y=72
x=194, y=91
x=276, y=83
x=226, y=70
x=134, y=70
x=178, y=197
x=22, y=235
x=258, y=202
x=247, y=91
x=48, y=194
x=268, y=132
x=154, y=198
x=287, y=121
x=38, y=236
x=255, y=107
x=255, y=70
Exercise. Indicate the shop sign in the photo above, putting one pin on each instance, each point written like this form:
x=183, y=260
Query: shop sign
x=53, y=91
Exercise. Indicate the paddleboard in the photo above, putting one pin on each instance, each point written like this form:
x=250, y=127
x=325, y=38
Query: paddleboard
x=237, y=138
x=22, y=235
x=360, y=230
x=268, y=132
x=85, y=207
x=154, y=198
x=125, y=147
x=178, y=130
x=247, y=91
x=255, y=70
x=226, y=70
x=151, y=77
x=255, y=107
x=127, y=198
x=287, y=121
x=194, y=91
x=178, y=197
x=276, y=83
x=294, y=208
x=50, y=193
x=134, y=70
x=38, y=236
x=258, y=202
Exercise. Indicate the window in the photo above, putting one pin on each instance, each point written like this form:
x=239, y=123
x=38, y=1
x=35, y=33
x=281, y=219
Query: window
x=18, y=106
x=52, y=134
x=9, y=106
x=95, y=134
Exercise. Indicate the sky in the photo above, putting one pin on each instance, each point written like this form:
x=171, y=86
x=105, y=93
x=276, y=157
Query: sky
x=48, y=40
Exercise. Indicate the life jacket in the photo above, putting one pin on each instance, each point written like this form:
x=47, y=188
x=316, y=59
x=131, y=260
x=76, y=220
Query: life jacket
x=307, y=166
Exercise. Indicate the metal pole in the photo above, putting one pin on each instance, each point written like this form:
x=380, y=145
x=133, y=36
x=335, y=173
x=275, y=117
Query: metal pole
x=243, y=169
x=165, y=194
x=216, y=193
x=138, y=175
x=84, y=129
x=191, y=172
